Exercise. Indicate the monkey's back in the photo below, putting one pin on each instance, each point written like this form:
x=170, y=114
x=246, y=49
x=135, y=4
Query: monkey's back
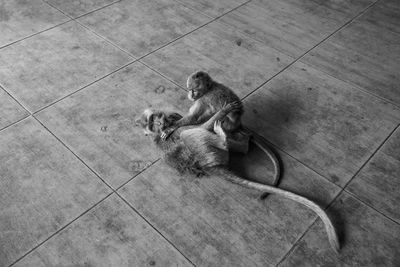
x=220, y=94
x=215, y=99
x=190, y=151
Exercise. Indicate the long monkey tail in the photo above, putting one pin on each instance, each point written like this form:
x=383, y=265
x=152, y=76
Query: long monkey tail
x=275, y=161
x=330, y=229
x=260, y=143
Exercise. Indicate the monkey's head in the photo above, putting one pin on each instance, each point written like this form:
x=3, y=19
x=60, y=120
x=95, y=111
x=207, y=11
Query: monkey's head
x=154, y=122
x=198, y=84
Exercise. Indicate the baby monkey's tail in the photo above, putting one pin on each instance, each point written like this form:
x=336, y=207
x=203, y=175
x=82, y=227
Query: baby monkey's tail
x=274, y=159
x=228, y=175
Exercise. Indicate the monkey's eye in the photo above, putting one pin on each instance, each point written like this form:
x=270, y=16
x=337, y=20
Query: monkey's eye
x=198, y=75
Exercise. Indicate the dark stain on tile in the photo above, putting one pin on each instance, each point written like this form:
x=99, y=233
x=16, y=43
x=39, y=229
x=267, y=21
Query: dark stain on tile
x=117, y=227
x=334, y=178
x=160, y=89
x=4, y=13
x=239, y=42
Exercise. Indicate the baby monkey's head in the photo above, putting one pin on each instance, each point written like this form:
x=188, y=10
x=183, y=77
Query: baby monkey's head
x=154, y=122
x=198, y=83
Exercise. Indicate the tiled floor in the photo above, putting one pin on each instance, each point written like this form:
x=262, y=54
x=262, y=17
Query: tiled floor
x=81, y=186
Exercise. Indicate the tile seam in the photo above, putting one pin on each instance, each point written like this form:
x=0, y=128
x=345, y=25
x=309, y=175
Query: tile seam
x=61, y=229
x=316, y=45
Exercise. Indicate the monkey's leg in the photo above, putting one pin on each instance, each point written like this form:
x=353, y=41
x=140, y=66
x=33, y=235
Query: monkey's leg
x=238, y=142
x=222, y=136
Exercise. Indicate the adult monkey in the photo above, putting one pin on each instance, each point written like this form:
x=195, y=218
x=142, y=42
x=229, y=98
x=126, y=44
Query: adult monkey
x=209, y=97
x=202, y=150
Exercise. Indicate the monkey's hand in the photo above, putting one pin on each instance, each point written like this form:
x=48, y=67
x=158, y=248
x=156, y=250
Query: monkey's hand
x=228, y=107
x=167, y=132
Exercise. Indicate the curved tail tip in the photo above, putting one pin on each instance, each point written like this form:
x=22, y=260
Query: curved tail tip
x=335, y=245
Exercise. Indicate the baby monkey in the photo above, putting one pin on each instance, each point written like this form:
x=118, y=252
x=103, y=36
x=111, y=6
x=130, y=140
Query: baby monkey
x=203, y=150
x=209, y=97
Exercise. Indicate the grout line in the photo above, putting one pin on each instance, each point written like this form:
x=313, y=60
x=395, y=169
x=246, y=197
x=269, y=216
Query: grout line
x=370, y=206
x=15, y=122
x=85, y=86
x=140, y=172
x=62, y=228
x=15, y=99
x=36, y=33
x=297, y=241
x=18, y=103
x=166, y=239
x=358, y=87
x=84, y=14
x=371, y=156
x=305, y=53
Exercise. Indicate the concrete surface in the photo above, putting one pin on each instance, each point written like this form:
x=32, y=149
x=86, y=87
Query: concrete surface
x=80, y=185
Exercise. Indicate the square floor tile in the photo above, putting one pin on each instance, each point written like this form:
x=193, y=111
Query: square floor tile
x=111, y=234
x=141, y=26
x=378, y=182
x=384, y=14
x=10, y=110
x=368, y=239
x=230, y=57
x=213, y=8
x=329, y=125
x=365, y=53
x=293, y=26
x=42, y=187
x=19, y=18
x=79, y=7
x=214, y=222
x=98, y=122
x=50, y=65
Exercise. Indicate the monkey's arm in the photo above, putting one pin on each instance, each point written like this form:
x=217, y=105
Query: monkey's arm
x=193, y=115
x=220, y=114
x=189, y=119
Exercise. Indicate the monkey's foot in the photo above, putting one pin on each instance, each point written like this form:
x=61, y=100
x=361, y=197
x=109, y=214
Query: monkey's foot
x=218, y=129
x=228, y=107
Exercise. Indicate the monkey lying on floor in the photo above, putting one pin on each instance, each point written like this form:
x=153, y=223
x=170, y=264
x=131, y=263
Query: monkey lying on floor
x=202, y=150
x=209, y=97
